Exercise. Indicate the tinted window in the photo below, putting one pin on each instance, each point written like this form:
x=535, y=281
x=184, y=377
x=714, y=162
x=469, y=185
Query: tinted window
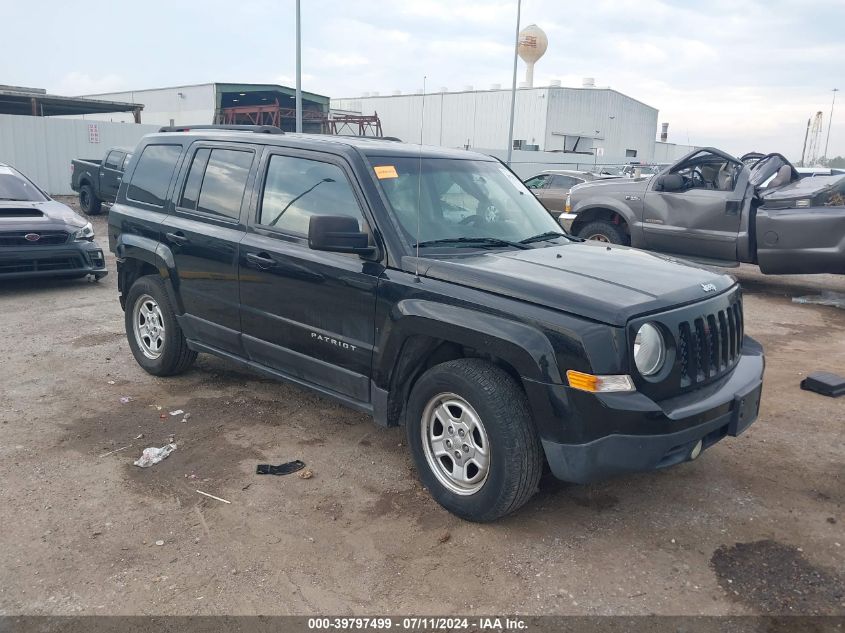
x=152, y=174
x=191, y=192
x=297, y=188
x=565, y=182
x=114, y=159
x=220, y=175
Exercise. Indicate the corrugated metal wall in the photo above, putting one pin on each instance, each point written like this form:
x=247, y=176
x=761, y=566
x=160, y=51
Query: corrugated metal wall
x=617, y=122
x=195, y=106
x=542, y=117
x=670, y=152
x=455, y=119
x=42, y=147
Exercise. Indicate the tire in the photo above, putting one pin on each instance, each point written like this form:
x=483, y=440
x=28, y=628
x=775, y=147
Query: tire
x=603, y=231
x=89, y=202
x=484, y=394
x=161, y=348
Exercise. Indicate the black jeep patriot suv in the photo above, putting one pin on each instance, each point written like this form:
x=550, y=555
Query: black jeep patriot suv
x=429, y=287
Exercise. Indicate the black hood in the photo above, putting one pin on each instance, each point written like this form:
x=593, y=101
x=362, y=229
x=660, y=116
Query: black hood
x=589, y=279
x=50, y=214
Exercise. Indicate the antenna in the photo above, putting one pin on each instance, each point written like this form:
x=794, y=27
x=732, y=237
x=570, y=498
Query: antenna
x=419, y=185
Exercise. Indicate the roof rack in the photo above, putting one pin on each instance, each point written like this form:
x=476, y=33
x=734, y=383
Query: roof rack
x=258, y=129
x=372, y=138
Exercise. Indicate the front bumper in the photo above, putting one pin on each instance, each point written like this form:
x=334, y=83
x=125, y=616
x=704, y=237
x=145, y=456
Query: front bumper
x=73, y=259
x=645, y=435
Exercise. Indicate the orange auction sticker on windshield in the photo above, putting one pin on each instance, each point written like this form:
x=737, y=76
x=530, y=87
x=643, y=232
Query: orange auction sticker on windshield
x=385, y=171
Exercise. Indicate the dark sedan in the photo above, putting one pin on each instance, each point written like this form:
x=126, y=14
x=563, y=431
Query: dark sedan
x=42, y=237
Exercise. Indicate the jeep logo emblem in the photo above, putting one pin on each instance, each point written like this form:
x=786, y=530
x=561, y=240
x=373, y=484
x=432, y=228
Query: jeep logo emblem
x=708, y=287
x=32, y=237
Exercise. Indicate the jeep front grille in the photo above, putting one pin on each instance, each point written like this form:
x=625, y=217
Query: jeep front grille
x=710, y=345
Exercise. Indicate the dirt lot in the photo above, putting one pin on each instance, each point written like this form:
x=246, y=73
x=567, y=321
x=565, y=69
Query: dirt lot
x=755, y=525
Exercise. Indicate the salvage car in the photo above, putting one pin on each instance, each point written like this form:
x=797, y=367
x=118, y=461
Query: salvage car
x=713, y=208
x=42, y=237
x=429, y=288
x=551, y=187
x=97, y=181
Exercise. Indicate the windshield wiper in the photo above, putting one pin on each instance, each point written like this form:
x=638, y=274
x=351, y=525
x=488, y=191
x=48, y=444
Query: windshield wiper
x=548, y=235
x=474, y=241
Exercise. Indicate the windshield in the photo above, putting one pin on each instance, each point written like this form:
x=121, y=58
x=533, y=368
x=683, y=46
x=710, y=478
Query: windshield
x=460, y=199
x=13, y=186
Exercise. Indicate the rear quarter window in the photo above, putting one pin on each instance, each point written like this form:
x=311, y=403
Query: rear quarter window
x=152, y=174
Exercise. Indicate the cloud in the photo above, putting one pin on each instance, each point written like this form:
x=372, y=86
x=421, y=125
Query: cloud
x=77, y=83
x=740, y=74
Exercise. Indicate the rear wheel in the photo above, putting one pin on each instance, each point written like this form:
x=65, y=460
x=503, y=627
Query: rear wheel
x=89, y=202
x=473, y=439
x=155, y=338
x=604, y=231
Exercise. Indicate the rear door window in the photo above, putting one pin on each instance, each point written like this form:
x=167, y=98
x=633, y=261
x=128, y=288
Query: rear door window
x=152, y=174
x=537, y=182
x=565, y=182
x=216, y=181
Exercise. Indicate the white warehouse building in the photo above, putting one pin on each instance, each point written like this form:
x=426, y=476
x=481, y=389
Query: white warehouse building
x=588, y=125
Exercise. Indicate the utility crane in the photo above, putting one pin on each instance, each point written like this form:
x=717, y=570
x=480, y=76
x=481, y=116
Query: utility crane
x=812, y=140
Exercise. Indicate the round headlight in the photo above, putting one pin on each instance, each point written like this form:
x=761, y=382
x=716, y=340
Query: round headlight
x=649, y=350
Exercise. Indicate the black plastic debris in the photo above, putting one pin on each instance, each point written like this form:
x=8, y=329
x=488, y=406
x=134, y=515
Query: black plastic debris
x=281, y=469
x=824, y=383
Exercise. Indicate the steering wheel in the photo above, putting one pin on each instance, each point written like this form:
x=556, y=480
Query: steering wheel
x=697, y=178
x=483, y=216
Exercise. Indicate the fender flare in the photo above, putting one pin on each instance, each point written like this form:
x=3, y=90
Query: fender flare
x=608, y=204
x=155, y=253
x=533, y=357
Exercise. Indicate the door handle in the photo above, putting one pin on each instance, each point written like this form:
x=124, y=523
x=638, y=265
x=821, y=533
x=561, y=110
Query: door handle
x=262, y=260
x=177, y=238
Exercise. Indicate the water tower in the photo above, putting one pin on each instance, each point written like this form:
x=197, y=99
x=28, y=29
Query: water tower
x=532, y=45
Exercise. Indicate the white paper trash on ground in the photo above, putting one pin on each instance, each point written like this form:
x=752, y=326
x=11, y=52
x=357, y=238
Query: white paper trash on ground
x=153, y=455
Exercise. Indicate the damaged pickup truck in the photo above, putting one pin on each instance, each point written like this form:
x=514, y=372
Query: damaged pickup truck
x=712, y=208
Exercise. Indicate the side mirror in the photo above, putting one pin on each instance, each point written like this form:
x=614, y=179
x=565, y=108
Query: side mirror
x=670, y=182
x=337, y=234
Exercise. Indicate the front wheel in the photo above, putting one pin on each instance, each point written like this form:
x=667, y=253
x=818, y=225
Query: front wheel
x=155, y=338
x=603, y=231
x=473, y=439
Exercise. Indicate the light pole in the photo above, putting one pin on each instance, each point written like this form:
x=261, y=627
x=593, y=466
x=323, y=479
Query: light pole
x=298, y=71
x=513, y=85
x=830, y=121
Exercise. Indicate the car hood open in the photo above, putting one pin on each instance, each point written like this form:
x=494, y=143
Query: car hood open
x=607, y=284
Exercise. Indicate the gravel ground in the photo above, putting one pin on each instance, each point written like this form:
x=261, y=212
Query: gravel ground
x=754, y=526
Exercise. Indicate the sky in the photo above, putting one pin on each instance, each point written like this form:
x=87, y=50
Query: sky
x=740, y=75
